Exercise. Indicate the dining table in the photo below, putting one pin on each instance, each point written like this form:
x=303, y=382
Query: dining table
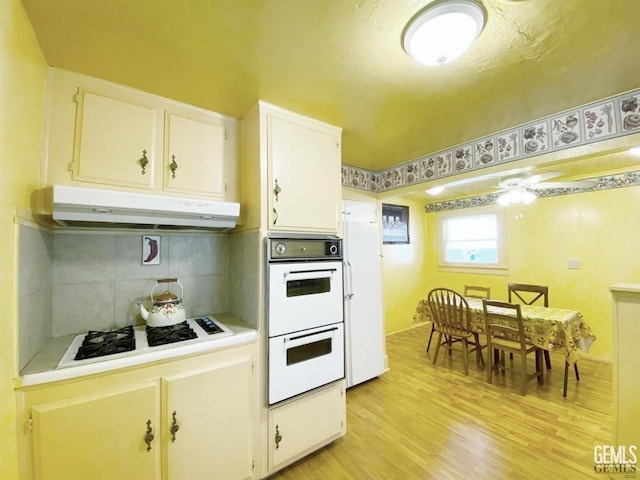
x=545, y=327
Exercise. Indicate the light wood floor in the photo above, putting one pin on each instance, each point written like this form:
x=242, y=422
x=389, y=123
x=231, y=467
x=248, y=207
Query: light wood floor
x=420, y=421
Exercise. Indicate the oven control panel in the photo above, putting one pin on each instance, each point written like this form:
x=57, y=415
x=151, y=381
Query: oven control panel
x=293, y=249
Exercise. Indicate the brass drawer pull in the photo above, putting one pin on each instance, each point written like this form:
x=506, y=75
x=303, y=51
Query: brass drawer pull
x=144, y=161
x=148, y=438
x=174, y=427
x=278, y=437
x=277, y=190
x=173, y=166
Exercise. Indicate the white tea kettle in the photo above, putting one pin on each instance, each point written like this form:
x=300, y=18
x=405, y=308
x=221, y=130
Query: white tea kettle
x=166, y=308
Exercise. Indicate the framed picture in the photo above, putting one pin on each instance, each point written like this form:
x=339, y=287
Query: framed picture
x=395, y=223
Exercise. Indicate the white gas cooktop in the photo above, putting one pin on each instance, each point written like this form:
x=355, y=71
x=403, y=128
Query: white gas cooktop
x=142, y=345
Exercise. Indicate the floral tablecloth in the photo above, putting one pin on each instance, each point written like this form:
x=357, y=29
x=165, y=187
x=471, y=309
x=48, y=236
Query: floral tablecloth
x=548, y=328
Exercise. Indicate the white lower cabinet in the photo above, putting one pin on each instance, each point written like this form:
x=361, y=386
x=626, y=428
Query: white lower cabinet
x=98, y=436
x=188, y=419
x=210, y=431
x=305, y=424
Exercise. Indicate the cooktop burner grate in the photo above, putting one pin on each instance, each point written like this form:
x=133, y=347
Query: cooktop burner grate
x=98, y=344
x=170, y=334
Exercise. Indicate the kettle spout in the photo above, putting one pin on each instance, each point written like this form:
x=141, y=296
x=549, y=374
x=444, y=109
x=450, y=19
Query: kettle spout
x=143, y=311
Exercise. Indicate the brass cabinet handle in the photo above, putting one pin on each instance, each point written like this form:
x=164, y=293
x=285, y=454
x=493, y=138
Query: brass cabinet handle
x=277, y=190
x=275, y=216
x=174, y=427
x=148, y=438
x=144, y=161
x=173, y=166
x=278, y=437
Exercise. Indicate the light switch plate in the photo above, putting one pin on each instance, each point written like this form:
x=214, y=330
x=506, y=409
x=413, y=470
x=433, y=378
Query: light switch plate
x=574, y=264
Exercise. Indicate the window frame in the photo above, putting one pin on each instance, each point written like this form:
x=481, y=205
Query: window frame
x=500, y=267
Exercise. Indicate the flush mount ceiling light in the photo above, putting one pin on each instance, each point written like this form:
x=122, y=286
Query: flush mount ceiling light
x=443, y=31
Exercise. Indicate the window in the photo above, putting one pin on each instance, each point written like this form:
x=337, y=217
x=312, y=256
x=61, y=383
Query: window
x=472, y=240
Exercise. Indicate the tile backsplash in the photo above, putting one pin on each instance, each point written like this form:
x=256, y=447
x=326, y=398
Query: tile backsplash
x=72, y=282
x=35, y=275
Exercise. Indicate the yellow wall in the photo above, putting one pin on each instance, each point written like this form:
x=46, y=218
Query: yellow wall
x=601, y=229
x=403, y=277
x=22, y=80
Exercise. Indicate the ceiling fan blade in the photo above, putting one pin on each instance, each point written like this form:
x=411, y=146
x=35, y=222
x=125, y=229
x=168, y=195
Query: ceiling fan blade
x=540, y=177
x=577, y=184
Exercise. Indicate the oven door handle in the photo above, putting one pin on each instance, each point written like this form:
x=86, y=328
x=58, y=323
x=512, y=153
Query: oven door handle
x=309, y=274
x=303, y=338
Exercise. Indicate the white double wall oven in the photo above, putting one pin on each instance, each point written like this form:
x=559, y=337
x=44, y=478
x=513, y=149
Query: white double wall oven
x=305, y=315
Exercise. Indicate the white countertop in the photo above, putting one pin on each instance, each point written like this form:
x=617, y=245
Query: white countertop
x=43, y=368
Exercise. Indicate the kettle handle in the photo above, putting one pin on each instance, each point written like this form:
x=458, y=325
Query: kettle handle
x=167, y=280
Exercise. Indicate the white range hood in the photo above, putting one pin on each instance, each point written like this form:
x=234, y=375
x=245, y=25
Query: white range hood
x=100, y=208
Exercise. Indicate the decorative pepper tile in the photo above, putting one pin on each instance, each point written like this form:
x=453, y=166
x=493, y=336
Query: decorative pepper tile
x=413, y=175
x=484, y=151
x=463, y=158
x=509, y=146
x=630, y=112
x=427, y=168
x=445, y=163
x=599, y=121
x=565, y=130
x=536, y=138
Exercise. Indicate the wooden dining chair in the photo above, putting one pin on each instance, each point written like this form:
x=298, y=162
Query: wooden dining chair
x=452, y=320
x=470, y=291
x=504, y=328
x=531, y=294
x=477, y=292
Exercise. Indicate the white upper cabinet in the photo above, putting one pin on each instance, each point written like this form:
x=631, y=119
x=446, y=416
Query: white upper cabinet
x=194, y=155
x=304, y=174
x=114, y=136
x=291, y=171
x=115, y=141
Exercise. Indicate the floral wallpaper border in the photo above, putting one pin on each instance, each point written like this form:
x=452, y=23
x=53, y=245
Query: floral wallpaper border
x=601, y=183
x=602, y=120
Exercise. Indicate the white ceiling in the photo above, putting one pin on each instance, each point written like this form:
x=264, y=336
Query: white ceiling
x=341, y=61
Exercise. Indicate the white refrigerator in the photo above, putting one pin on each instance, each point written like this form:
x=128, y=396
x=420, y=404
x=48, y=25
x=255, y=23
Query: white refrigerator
x=364, y=326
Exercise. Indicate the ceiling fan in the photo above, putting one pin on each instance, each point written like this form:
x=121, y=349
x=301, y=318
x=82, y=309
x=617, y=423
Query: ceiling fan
x=518, y=188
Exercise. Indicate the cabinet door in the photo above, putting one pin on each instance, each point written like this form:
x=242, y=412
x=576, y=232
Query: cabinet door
x=194, y=155
x=304, y=175
x=115, y=141
x=306, y=424
x=626, y=357
x=98, y=436
x=214, y=419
